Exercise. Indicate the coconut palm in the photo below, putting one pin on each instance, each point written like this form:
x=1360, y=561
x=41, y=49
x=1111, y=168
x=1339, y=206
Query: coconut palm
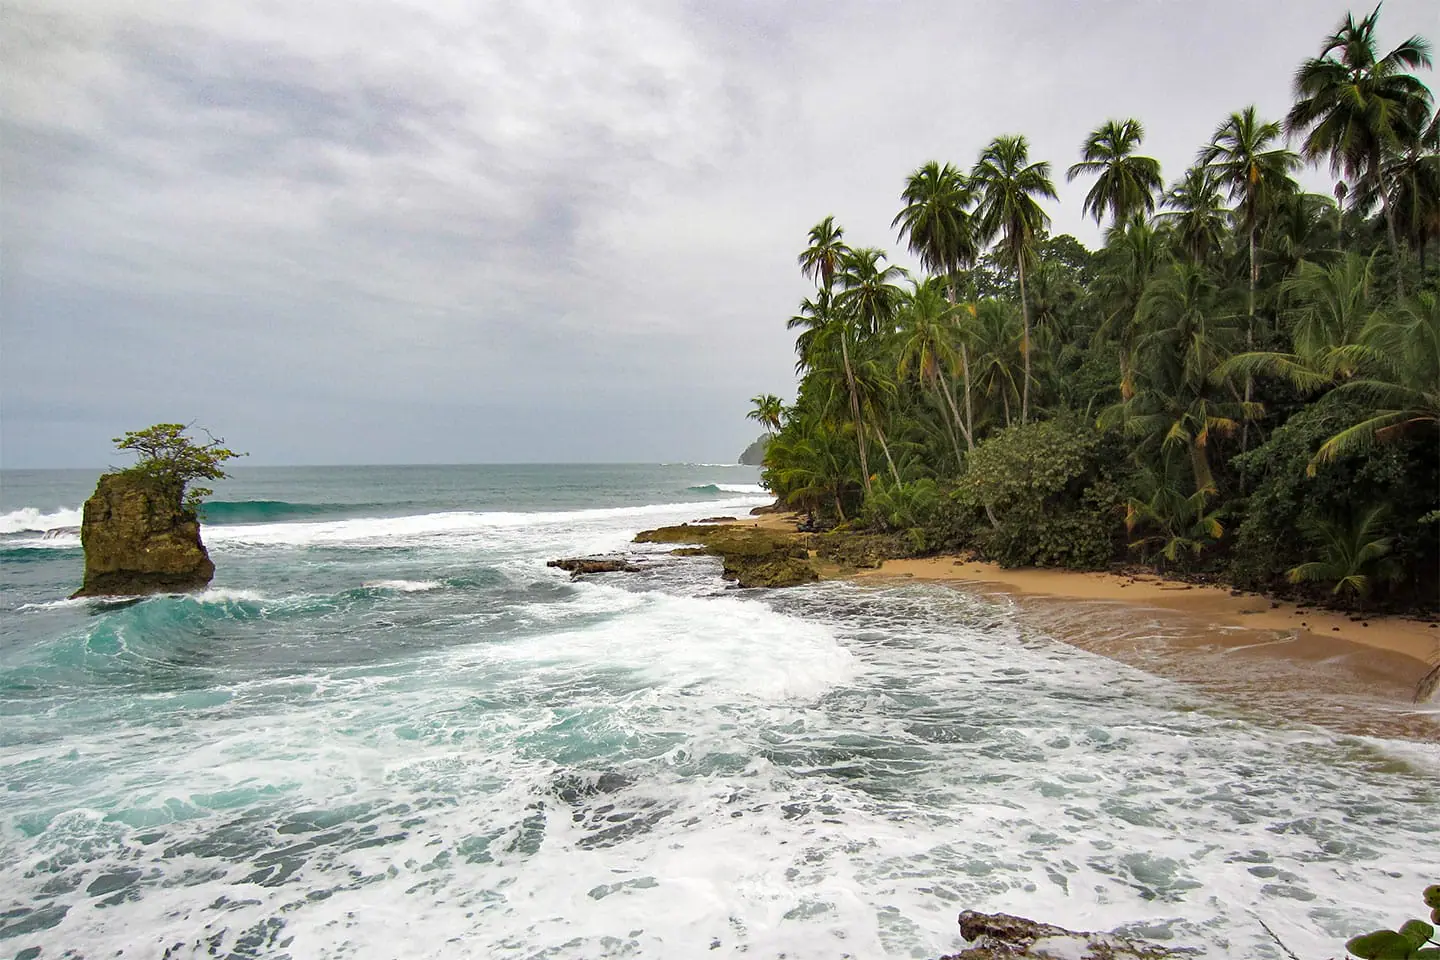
x=1008, y=185
x=927, y=346
x=1352, y=554
x=1126, y=184
x=821, y=260
x=1132, y=254
x=1177, y=399
x=1355, y=107
x=1254, y=172
x=936, y=218
x=1197, y=212
x=1399, y=357
x=767, y=410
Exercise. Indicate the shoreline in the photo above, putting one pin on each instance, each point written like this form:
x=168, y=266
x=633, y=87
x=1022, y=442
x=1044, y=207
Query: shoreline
x=1352, y=675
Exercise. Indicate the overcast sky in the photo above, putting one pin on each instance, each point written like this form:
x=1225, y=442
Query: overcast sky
x=342, y=231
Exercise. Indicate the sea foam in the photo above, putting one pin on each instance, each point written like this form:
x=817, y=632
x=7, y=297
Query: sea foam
x=33, y=520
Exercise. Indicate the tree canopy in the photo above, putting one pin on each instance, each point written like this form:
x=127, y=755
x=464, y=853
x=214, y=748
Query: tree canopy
x=1241, y=383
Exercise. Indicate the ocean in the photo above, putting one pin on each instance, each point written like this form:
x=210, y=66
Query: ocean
x=388, y=730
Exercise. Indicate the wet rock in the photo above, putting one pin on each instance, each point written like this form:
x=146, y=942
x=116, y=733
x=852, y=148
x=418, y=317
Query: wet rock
x=751, y=556
x=1000, y=935
x=580, y=566
x=138, y=539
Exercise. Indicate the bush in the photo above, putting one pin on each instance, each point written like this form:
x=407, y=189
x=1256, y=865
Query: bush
x=1052, y=502
x=1283, y=501
x=172, y=461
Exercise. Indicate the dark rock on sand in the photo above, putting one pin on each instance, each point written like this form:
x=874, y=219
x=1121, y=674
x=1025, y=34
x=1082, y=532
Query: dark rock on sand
x=138, y=539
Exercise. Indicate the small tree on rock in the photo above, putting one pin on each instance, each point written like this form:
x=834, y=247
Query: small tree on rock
x=173, y=461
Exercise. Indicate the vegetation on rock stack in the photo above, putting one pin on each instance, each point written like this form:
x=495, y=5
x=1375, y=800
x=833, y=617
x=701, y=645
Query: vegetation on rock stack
x=1243, y=383
x=141, y=532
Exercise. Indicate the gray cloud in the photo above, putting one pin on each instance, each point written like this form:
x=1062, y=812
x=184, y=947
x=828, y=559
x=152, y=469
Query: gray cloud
x=363, y=232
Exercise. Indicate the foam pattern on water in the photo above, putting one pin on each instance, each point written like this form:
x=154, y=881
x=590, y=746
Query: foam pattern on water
x=507, y=764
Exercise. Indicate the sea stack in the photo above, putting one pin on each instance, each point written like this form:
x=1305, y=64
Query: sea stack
x=139, y=538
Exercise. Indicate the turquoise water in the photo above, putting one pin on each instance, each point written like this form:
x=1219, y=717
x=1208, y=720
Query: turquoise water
x=388, y=729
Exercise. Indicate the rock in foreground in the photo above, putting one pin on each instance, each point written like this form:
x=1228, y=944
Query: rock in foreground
x=999, y=935
x=752, y=557
x=139, y=539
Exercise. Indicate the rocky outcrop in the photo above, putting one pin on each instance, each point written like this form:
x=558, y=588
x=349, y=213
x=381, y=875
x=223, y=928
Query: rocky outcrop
x=993, y=936
x=752, y=557
x=861, y=551
x=580, y=566
x=754, y=454
x=139, y=539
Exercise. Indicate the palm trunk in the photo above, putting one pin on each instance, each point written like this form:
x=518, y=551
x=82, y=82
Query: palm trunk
x=1250, y=325
x=939, y=386
x=964, y=429
x=855, y=415
x=1025, y=340
x=839, y=510
x=969, y=410
x=1389, y=223
x=885, y=448
x=1200, y=464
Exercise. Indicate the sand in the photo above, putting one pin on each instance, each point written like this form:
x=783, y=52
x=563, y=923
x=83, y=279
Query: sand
x=1350, y=674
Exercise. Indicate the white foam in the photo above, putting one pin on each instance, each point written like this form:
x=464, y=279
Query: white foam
x=404, y=586
x=739, y=487
x=488, y=528
x=28, y=519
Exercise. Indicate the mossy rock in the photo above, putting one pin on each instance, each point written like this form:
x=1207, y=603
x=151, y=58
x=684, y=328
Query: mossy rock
x=861, y=551
x=139, y=538
x=752, y=557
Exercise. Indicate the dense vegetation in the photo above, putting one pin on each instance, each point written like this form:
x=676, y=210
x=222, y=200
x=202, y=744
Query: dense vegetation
x=1244, y=382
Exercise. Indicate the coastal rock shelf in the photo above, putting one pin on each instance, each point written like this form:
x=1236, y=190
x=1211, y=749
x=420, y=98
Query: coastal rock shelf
x=752, y=556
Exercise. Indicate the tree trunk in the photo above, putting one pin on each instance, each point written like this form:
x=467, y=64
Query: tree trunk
x=885, y=448
x=969, y=410
x=1200, y=464
x=964, y=430
x=855, y=414
x=1389, y=223
x=1250, y=325
x=1024, y=339
x=939, y=386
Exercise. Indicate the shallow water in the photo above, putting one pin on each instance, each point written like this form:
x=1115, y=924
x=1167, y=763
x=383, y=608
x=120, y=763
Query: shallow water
x=394, y=731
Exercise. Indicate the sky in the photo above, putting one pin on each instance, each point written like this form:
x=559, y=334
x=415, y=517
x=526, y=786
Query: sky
x=345, y=231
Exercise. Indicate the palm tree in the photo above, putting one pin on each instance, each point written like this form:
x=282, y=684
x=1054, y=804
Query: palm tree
x=1356, y=108
x=1352, y=554
x=1400, y=382
x=1177, y=397
x=1255, y=174
x=1243, y=161
x=1197, y=212
x=767, y=410
x=927, y=346
x=1008, y=185
x=821, y=259
x=1132, y=254
x=1127, y=183
x=936, y=219
x=1328, y=307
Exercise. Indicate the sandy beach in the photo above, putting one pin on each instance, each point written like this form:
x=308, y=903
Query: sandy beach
x=1349, y=673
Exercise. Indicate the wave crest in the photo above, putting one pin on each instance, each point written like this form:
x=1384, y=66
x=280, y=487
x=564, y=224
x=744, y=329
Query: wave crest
x=728, y=488
x=33, y=520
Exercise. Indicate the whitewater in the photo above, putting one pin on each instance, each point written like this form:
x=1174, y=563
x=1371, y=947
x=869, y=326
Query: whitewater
x=389, y=730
